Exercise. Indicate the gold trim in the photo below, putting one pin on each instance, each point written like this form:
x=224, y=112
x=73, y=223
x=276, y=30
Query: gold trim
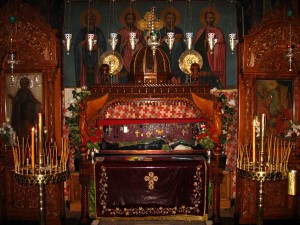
x=161, y=218
x=144, y=60
x=135, y=58
x=206, y=190
x=154, y=63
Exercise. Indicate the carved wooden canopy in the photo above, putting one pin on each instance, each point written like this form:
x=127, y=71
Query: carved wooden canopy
x=111, y=102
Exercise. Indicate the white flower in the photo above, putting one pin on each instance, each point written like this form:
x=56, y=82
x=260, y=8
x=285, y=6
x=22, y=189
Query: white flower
x=231, y=103
x=289, y=134
x=72, y=101
x=84, y=88
x=69, y=114
x=213, y=90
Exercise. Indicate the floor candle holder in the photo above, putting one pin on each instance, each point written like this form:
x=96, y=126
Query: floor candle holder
x=267, y=163
x=40, y=163
x=41, y=180
x=261, y=177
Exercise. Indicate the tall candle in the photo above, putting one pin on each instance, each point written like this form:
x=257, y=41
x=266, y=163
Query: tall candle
x=253, y=141
x=32, y=148
x=262, y=140
x=40, y=139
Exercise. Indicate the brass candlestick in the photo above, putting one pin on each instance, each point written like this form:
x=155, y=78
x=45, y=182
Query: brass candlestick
x=44, y=169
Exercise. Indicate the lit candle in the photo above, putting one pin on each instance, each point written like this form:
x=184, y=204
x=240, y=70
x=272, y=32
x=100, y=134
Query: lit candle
x=32, y=148
x=253, y=141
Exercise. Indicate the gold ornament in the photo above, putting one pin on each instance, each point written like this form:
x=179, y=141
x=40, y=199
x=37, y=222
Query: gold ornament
x=114, y=60
x=187, y=58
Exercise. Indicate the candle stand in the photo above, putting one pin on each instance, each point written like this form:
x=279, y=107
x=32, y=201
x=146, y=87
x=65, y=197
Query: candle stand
x=269, y=163
x=261, y=176
x=24, y=176
x=48, y=164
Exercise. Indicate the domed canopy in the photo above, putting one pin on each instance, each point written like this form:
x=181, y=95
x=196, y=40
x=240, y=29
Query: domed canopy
x=145, y=67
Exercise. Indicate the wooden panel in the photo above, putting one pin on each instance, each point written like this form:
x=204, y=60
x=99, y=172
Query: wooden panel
x=226, y=190
x=277, y=204
x=75, y=192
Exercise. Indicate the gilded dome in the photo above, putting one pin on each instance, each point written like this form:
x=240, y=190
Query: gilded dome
x=148, y=68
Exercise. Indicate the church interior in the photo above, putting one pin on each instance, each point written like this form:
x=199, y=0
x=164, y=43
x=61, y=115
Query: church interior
x=158, y=112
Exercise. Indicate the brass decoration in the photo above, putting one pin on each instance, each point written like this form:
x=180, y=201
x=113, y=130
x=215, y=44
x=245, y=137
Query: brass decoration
x=187, y=58
x=151, y=179
x=292, y=182
x=143, y=24
x=114, y=60
x=148, y=134
x=159, y=132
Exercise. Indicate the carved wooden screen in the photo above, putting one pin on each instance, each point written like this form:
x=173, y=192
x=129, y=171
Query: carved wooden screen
x=270, y=84
x=264, y=65
x=36, y=47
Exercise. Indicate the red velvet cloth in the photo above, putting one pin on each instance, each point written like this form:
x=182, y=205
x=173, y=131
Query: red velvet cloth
x=164, y=186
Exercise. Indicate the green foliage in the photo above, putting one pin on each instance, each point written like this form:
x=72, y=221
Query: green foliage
x=72, y=119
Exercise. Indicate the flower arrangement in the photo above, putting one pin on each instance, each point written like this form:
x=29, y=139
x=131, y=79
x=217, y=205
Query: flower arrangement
x=293, y=132
x=6, y=132
x=206, y=137
x=72, y=119
x=228, y=109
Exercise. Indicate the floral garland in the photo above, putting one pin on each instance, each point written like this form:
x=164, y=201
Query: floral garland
x=72, y=120
x=207, y=136
x=228, y=109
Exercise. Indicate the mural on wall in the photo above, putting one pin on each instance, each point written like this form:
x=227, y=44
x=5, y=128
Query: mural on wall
x=82, y=67
x=86, y=62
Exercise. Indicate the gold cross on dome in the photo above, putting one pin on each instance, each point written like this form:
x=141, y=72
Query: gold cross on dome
x=151, y=179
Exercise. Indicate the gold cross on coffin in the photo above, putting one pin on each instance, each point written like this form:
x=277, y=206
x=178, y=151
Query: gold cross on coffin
x=151, y=179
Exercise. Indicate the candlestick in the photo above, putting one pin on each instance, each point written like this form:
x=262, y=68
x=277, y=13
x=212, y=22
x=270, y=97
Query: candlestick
x=32, y=148
x=253, y=142
x=262, y=141
x=40, y=140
